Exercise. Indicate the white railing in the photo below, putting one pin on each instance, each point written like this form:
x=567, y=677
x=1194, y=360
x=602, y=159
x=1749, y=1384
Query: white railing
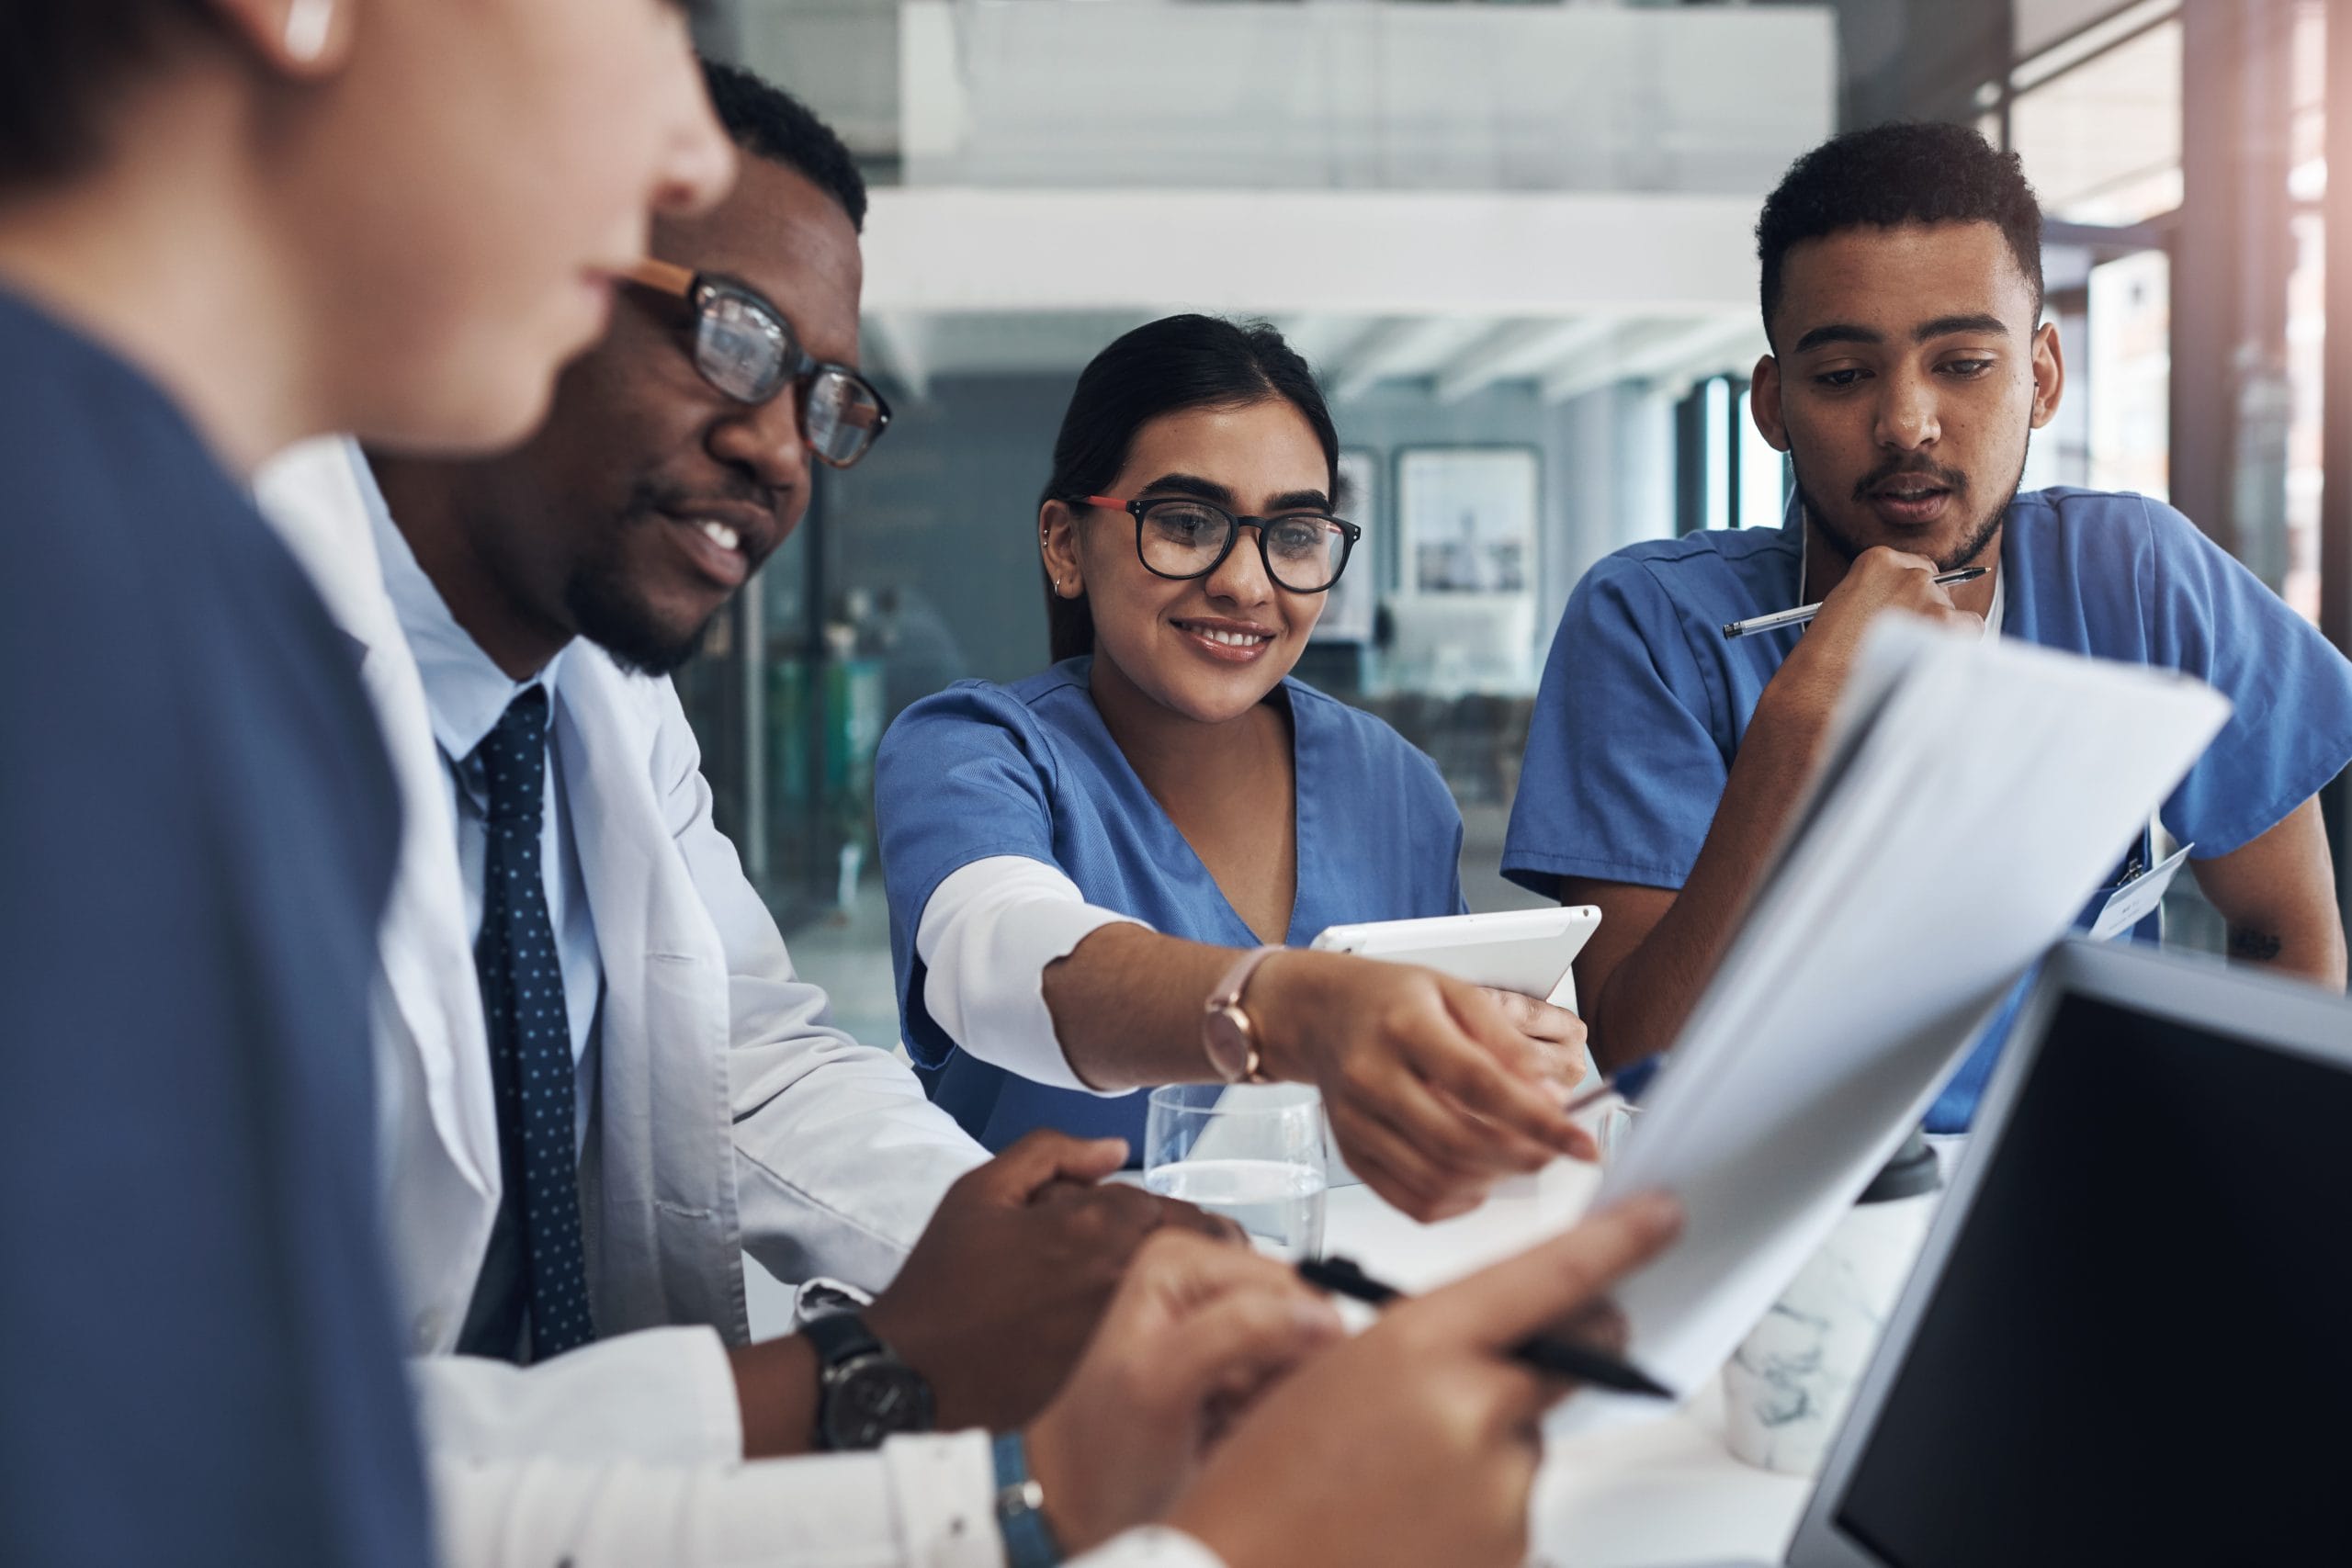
x=1168, y=93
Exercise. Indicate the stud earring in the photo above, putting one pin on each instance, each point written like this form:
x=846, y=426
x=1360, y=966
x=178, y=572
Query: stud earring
x=308, y=22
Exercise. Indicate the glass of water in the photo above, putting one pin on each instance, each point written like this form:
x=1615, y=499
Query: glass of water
x=1253, y=1152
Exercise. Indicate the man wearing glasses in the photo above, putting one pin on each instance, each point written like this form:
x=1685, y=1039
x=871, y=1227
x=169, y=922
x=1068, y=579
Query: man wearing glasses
x=604, y=1080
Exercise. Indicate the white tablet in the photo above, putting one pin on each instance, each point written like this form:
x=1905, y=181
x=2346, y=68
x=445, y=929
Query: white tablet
x=1527, y=950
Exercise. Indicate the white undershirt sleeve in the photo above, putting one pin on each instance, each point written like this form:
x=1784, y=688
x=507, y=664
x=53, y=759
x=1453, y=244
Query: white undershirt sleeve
x=986, y=936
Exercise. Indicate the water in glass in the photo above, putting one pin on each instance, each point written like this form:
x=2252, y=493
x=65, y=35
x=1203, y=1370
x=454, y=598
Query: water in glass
x=1252, y=1153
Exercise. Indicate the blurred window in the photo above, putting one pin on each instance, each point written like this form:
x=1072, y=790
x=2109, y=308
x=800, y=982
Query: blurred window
x=2094, y=111
x=1763, y=471
x=1728, y=476
x=2040, y=24
x=2129, y=379
x=2101, y=141
x=2306, y=309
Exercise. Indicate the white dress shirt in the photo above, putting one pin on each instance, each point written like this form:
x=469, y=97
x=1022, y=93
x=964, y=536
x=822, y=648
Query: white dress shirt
x=466, y=693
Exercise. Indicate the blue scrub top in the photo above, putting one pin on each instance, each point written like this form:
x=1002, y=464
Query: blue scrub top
x=1645, y=702
x=1029, y=769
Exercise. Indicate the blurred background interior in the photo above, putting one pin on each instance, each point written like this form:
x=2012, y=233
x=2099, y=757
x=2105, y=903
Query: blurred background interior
x=1513, y=237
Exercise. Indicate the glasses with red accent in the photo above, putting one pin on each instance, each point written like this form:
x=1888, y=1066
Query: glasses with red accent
x=1180, y=538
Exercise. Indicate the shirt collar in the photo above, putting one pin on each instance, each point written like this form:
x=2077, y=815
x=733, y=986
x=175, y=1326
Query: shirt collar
x=466, y=693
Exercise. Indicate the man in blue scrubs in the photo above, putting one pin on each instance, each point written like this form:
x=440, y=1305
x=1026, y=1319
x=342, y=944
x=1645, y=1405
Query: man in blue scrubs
x=1902, y=294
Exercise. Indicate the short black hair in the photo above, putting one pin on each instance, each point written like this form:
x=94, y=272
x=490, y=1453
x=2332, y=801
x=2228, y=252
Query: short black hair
x=768, y=122
x=1891, y=174
x=60, y=61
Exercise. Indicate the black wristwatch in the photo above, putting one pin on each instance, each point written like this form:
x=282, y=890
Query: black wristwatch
x=864, y=1392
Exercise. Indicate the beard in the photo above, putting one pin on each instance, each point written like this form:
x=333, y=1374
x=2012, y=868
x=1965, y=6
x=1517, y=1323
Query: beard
x=606, y=606
x=608, y=613
x=1972, y=542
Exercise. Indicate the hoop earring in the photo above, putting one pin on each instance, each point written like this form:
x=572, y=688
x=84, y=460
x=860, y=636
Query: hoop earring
x=307, y=23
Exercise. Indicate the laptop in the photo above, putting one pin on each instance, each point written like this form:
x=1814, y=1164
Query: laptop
x=2128, y=1338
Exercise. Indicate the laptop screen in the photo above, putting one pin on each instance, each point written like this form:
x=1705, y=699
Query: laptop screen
x=2139, y=1350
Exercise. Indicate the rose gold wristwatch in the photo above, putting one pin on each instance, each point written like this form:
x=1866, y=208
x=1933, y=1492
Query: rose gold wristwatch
x=1228, y=1037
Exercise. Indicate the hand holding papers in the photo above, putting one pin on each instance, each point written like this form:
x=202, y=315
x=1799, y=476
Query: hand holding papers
x=1930, y=863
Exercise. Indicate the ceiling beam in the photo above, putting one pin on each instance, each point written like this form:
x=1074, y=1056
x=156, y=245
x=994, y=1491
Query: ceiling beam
x=1316, y=337
x=1518, y=349
x=1404, y=347
x=1351, y=340
x=1734, y=353
x=1668, y=349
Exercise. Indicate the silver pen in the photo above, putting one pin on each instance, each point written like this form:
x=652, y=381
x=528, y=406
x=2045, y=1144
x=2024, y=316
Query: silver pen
x=1804, y=612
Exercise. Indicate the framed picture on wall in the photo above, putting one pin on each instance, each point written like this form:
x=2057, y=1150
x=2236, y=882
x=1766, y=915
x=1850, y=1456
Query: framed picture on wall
x=1350, y=606
x=1466, y=519
x=1464, y=616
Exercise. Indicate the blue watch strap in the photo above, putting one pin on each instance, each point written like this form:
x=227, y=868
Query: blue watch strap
x=1020, y=1508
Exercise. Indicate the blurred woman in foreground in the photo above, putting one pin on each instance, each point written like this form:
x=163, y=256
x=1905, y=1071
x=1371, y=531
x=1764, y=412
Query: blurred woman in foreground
x=226, y=225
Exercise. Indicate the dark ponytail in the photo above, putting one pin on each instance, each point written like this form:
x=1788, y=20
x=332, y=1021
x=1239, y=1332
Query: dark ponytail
x=1167, y=366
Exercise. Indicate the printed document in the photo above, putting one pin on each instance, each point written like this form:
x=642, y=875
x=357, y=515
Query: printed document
x=1973, y=795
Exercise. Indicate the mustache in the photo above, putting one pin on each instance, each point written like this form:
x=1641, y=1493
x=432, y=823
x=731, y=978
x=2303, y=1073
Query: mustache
x=649, y=495
x=1951, y=479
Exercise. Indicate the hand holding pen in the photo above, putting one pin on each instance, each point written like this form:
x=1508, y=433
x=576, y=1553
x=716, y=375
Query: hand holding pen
x=1804, y=612
x=1559, y=1357
x=1804, y=692
x=1427, y=1404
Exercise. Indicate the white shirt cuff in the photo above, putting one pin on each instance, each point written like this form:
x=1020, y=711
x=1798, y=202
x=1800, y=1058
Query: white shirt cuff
x=986, y=937
x=920, y=1503
x=932, y=1498
x=661, y=1396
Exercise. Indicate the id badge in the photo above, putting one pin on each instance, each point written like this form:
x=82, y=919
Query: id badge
x=2136, y=897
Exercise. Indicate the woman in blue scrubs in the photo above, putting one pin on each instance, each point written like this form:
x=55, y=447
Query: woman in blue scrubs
x=1102, y=878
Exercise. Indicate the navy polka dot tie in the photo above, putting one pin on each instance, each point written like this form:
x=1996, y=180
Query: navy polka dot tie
x=530, y=1038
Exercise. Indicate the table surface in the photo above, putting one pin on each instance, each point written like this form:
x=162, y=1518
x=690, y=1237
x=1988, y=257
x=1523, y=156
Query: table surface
x=1666, y=1493
x=1660, y=1494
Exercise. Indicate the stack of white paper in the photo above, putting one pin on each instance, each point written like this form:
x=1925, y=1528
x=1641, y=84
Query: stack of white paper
x=1973, y=795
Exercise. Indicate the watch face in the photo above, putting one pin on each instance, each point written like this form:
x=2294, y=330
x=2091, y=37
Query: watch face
x=1224, y=1036
x=873, y=1398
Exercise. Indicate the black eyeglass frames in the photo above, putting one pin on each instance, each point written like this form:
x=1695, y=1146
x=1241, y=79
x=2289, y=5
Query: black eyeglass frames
x=745, y=348
x=1178, y=537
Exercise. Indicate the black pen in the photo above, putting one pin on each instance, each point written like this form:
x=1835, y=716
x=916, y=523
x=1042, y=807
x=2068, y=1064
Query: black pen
x=1804, y=612
x=1558, y=1356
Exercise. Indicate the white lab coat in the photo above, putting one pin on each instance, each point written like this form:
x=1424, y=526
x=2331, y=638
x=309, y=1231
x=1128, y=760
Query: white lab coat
x=731, y=1117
